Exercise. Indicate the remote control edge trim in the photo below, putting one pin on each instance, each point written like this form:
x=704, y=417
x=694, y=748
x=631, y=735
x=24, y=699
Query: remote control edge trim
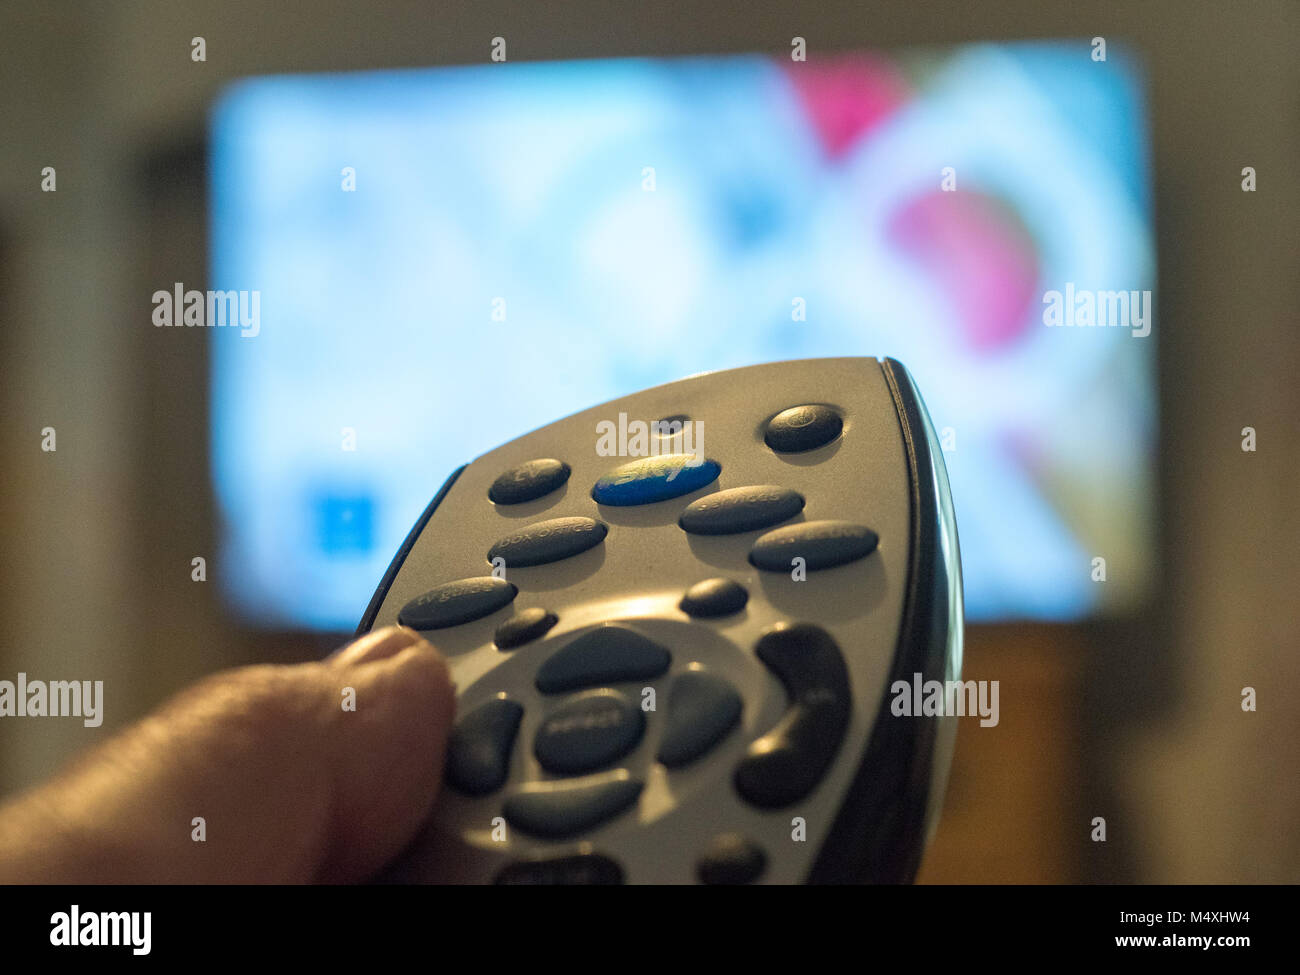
x=887, y=802
x=377, y=600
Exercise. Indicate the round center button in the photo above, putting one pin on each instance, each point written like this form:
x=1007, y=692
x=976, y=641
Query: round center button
x=801, y=428
x=670, y=426
x=592, y=730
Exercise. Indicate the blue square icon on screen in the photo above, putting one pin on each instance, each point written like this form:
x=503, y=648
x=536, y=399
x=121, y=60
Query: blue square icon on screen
x=345, y=524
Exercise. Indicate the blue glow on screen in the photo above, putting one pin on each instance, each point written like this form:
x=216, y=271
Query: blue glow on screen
x=771, y=182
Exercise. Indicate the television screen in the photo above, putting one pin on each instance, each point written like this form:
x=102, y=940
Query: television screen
x=437, y=261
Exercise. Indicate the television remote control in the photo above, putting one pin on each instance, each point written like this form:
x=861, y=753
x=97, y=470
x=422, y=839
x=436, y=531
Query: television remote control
x=674, y=642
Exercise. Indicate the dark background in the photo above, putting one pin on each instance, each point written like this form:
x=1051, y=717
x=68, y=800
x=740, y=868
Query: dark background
x=1137, y=720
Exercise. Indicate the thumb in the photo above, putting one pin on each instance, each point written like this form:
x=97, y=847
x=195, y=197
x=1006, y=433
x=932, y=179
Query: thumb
x=279, y=774
x=388, y=754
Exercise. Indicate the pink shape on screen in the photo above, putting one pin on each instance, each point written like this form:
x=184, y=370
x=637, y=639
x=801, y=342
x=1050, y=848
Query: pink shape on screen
x=980, y=255
x=846, y=97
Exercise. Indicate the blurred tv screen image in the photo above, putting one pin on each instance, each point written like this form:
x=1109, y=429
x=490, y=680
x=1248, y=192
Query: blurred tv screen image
x=448, y=258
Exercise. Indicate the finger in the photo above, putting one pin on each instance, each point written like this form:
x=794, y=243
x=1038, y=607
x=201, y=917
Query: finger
x=387, y=759
x=374, y=646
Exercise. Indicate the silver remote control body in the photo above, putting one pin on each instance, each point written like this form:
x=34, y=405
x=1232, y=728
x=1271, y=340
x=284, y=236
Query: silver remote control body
x=676, y=623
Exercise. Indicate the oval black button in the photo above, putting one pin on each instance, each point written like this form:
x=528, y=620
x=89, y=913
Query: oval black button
x=606, y=655
x=731, y=859
x=740, y=509
x=524, y=628
x=576, y=869
x=558, y=809
x=457, y=602
x=702, y=707
x=821, y=544
x=588, y=732
x=714, y=597
x=478, y=752
x=529, y=481
x=802, y=428
x=549, y=541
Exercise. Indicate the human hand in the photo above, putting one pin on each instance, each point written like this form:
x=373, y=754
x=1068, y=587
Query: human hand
x=290, y=787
